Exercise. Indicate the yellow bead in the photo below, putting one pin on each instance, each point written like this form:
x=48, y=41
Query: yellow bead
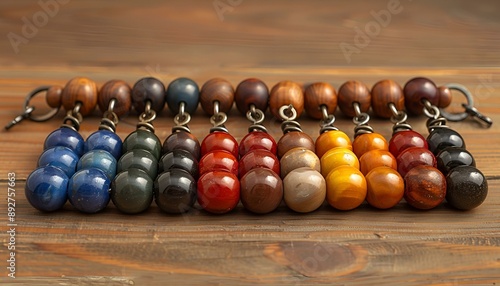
x=338, y=157
x=345, y=188
x=367, y=142
x=332, y=139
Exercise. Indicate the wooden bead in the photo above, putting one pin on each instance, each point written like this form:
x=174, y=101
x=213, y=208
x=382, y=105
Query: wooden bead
x=119, y=90
x=286, y=93
x=385, y=187
x=425, y=187
x=299, y=157
x=294, y=139
x=83, y=90
x=444, y=94
x=148, y=89
x=385, y=92
x=353, y=91
x=304, y=190
x=317, y=95
x=251, y=91
x=54, y=96
x=216, y=89
x=416, y=91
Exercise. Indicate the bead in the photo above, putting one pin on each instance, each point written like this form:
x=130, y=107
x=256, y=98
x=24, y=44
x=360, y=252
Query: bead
x=148, y=89
x=216, y=89
x=376, y=158
x=142, y=139
x=88, y=190
x=46, y=188
x=451, y=157
x=416, y=91
x=132, y=191
x=425, y=187
x=304, y=190
x=320, y=94
x=218, y=191
x=385, y=187
x=261, y=190
x=257, y=140
x=182, y=90
x=286, y=93
x=299, y=157
x=60, y=157
x=350, y=92
x=118, y=90
x=258, y=158
x=251, y=91
x=99, y=159
x=82, y=90
x=182, y=140
x=445, y=97
x=54, y=96
x=332, y=139
x=179, y=159
x=384, y=93
x=175, y=191
x=219, y=141
x=65, y=137
x=441, y=138
x=105, y=140
x=292, y=140
x=338, y=157
x=412, y=157
x=467, y=187
x=138, y=159
x=218, y=160
x=367, y=142
x=345, y=188
x=405, y=139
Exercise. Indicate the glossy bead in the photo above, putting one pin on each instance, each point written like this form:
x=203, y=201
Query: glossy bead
x=299, y=157
x=345, y=188
x=416, y=91
x=179, y=159
x=338, y=157
x=218, y=191
x=142, y=139
x=251, y=91
x=258, y=158
x=292, y=140
x=385, y=187
x=467, y=187
x=88, y=190
x=182, y=90
x=138, y=159
x=60, y=157
x=105, y=140
x=445, y=97
x=425, y=187
x=257, y=140
x=182, y=140
x=118, y=90
x=65, y=137
x=286, y=93
x=175, y=191
x=216, y=89
x=132, y=191
x=219, y=141
x=384, y=93
x=218, y=160
x=261, y=190
x=320, y=94
x=148, y=89
x=332, y=139
x=405, y=139
x=367, y=142
x=353, y=91
x=412, y=157
x=441, y=138
x=451, y=157
x=82, y=90
x=46, y=188
x=376, y=158
x=99, y=159
x=54, y=96
x=304, y=190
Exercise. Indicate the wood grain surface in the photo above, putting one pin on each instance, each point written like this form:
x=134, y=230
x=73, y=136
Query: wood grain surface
x=303, y=41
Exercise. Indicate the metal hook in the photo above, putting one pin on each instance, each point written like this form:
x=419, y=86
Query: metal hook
x=470, y=110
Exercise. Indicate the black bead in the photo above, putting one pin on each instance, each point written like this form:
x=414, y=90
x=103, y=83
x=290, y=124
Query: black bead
x=452, y=157
x=175, y=191
x=179, y=159
x=467, y=187
x=441, y=138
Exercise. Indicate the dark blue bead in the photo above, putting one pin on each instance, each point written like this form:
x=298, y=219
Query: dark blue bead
x=46, y=188
x=60, y=157
x=65, y=137
x=183, y=90
x=105, y=140
x=88, y=190
x=99, y=159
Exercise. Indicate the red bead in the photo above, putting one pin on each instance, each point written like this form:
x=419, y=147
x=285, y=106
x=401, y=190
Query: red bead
x=218, y=192
x=257, y=140
x=406, y=139
x=218, y=160
x=258, y=158
x=219, y=141
x=412, y=157
x=425, y=187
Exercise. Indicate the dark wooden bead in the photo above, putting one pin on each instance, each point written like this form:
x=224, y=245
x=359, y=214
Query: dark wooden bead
x=385, y=92
x=83, y=90
x=54, y=96
x=294, y=139
x=286, y=93
x=148, y=89
x=350, y=92
x=216, y=89
x=416, y=91
x=119, y=90
x=318, y=94
x=444, y=94
x=425, y=187
x=251, y=91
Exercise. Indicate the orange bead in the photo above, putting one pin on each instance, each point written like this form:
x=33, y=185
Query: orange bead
x=338, y=157
x=345, y=188
x=385, y=187
x=367, y=142
x=377, y=158
x=332, y=139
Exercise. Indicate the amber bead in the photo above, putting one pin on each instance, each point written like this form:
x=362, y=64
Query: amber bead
x=367, y=142
x=219, y=141
x=445, y=97
x=251, y=91
x=405, y=139
x=353, y=91
x=118, y=90
x=261, y=191
x=148, y=89
x=376, y=158
x=182, y=140
x=299, y=157
x=467, y=187
x=425, y=187
x=218, y=191
x=218, y=160
x=385, y=187
x=304, y=190
x=292, y=140
x=286, y=93
x=82, y=90
x=416, y=91
x=338, y=157
x=320, y=94
x=345, y=188
x=412, y=157
x=441, y=138
x=452, y=157
x=257, y=140
x=258, y=158
x=216, y=89
x=54, y=96
x=331, y=139
x=384, y=93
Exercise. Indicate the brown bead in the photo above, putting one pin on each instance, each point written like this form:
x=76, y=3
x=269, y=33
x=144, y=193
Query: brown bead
x=292, y=140
x=251, y=91
x=182, y=140
x=425, y=187
x=350, y=92
x=216, y=89
x=299, y=157
x=318, y=94
x=444, y=97
x=385, y=92
x=54, y=96
x=119, y=90
x=148, y=89
x=286, y=93
x=416, y=91
x=304, y=190
x=83, y=90
x=261, y=190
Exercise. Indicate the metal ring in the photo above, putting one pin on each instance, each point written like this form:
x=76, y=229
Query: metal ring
x=43, y=117
x=289, y=108
x=470, y=103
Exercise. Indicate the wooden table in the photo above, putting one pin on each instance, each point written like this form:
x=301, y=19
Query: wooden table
x=284, y=40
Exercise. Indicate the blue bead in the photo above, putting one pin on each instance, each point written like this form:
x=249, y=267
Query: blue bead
x=182, y=90
x=65, y=137
x=60, y=157
x=88, y=190
x=99, y=159
x=105, y=140
x=46, y=188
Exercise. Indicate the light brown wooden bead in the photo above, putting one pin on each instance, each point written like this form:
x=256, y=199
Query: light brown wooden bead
x=353, y=91
x=54, y=96
x=445, y=96
x=385, y=92
x=294, y=139
x=216, y=89
x=286, y=93
x=318, y=94
x=299, y=157
x=83, y=90
x=119, y=90
x=304, y=190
